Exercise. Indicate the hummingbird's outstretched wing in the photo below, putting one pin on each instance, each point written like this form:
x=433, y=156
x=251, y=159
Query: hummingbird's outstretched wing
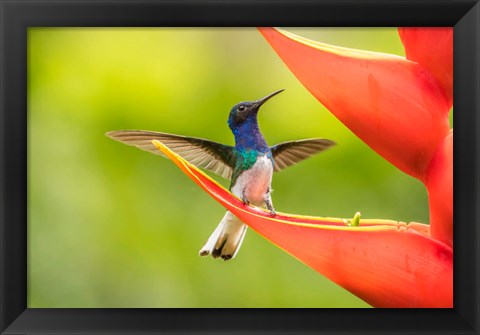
x=205, y=154
x=289, y=153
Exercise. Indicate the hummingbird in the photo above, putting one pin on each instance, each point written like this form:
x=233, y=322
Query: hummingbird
x=249, y=165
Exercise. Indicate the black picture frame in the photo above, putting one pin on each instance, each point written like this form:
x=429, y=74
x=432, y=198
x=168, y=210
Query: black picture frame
x=17, y=16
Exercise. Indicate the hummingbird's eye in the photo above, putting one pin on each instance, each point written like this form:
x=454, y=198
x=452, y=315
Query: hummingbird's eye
x=241, y=108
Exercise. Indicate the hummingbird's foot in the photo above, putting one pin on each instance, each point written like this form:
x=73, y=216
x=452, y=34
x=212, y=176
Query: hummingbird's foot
x=245, y=200
x=268, y=203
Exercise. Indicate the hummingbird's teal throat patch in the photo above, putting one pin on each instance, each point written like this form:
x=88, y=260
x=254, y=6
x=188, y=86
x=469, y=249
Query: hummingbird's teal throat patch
x=248, y=159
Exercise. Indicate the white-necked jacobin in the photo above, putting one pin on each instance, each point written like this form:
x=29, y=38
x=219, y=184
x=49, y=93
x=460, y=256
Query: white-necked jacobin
x=249, y=165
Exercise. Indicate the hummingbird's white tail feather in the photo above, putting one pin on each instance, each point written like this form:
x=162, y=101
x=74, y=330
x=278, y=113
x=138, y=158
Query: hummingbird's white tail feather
x=239, y=244
x=212, y=240
x=226, y=239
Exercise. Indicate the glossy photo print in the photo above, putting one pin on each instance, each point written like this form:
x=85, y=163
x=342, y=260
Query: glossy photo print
x=240, y=167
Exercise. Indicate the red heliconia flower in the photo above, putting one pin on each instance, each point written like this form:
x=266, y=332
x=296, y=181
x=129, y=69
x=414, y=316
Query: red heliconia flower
x=399, y=107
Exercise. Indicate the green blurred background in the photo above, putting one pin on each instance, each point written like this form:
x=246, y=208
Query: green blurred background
x=113, y=226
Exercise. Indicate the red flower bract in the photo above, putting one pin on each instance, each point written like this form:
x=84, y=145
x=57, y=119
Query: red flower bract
x=394, y=105
x=398, y=106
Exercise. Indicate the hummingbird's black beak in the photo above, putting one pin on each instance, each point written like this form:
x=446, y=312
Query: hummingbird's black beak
x=261, y=101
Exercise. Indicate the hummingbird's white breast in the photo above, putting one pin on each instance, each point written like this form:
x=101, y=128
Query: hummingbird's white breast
x=254, y=183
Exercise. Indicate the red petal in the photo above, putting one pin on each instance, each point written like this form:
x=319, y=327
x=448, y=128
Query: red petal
x=392, y=104
x=440, y=192
x=386, y=263
x=433, y=49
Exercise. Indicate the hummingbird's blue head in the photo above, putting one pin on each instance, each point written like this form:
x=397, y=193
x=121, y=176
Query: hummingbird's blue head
x=246, y=112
